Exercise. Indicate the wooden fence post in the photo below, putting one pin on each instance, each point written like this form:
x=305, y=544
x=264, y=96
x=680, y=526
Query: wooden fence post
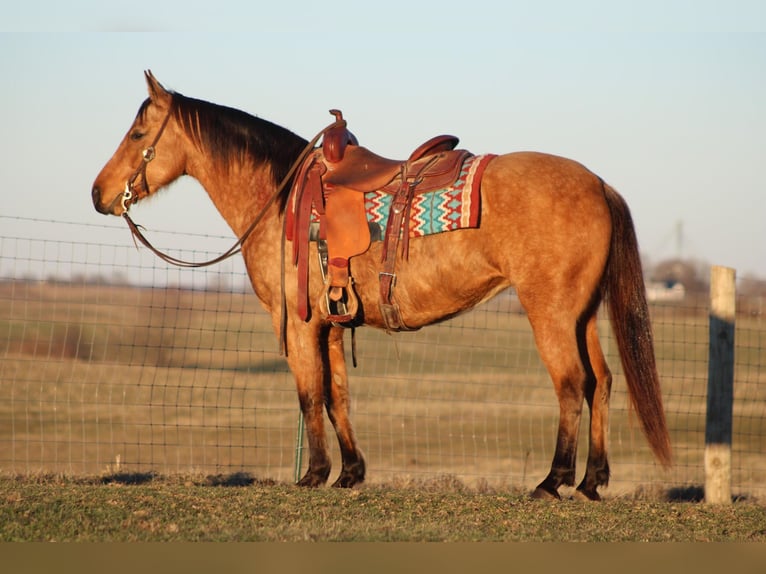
x=720, y=388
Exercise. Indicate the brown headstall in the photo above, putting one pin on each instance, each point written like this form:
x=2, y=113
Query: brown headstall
x=129, y=197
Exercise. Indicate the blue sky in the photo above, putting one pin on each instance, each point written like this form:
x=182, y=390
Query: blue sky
x=665, y=100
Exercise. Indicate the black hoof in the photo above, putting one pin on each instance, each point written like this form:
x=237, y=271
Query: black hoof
x=587, y=495
x=346, y=481
x=351, y=475
x=312, y=480
x=542, y=493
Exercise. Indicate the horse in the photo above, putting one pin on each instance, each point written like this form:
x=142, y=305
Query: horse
x=549, y=227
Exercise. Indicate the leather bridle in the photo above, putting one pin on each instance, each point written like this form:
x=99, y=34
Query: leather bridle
x=132, y=195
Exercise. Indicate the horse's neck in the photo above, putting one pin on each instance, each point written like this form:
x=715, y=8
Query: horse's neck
x=239, y=193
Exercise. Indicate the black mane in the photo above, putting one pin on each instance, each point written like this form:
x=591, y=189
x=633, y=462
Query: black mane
x=231, y=135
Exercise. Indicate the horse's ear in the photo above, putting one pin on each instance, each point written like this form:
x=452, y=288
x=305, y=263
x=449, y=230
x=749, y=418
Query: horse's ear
x=157, y=93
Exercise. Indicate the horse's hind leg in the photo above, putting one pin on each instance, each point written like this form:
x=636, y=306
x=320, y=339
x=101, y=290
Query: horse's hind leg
x=338, y=405
x=556, y=335
x=597, y=392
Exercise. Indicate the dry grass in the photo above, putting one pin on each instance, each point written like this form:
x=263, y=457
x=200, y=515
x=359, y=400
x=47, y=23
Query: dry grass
x=109, y=379
x=144, y=508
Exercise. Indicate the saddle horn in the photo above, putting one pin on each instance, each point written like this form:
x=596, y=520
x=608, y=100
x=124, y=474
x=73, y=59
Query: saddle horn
x=336, y=139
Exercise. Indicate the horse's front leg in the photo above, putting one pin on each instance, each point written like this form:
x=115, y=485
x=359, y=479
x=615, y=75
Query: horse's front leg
x=337, y=400
x=307, y=362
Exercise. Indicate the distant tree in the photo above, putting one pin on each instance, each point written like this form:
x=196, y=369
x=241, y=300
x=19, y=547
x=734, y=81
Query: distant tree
x=219, y=282
x=751, y=286
x=692, y=275
x=119, y=278
x=751, y=293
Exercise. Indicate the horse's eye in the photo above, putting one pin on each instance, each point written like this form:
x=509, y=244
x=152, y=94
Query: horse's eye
x=135, y=136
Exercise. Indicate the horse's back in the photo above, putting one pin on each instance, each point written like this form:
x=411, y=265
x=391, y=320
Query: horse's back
x=534, y=184
x=544, y=228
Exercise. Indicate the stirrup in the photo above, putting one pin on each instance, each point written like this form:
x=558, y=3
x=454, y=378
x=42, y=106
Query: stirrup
x=339, y=304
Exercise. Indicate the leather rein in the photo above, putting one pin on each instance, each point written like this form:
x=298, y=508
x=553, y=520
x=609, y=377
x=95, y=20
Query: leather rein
x=131, y=195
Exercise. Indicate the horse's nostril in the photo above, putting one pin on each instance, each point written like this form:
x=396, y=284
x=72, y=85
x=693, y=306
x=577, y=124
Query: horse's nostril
x=96, y=195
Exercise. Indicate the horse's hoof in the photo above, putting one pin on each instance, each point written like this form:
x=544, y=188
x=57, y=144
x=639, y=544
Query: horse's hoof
x=311, y=481
x=587, y=495
x=351, y=475
x=346, y=481
x=541, y=493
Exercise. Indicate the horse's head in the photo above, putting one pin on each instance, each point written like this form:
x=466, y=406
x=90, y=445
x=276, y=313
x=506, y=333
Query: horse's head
x=147, y=159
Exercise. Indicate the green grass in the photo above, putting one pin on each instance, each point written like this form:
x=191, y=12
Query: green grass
x=229, y=509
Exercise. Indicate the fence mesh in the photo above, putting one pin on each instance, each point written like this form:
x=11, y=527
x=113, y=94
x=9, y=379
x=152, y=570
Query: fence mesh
x=112, y=361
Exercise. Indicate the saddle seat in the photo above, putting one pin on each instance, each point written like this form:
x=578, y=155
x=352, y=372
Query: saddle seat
x=364, y=171
x=350, y=165
x=332, y=183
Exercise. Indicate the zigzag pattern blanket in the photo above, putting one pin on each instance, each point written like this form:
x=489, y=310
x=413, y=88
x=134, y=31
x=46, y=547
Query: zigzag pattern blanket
x=455, y=207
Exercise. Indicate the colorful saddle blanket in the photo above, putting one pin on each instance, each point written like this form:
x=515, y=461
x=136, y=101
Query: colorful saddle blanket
x=455, y=207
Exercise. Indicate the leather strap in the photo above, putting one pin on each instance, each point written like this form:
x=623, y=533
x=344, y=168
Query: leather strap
x=310, y=176
x=131, y=194
x=397, y=228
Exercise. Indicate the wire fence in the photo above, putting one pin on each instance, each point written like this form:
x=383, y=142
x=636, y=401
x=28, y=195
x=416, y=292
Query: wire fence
x=112, y=361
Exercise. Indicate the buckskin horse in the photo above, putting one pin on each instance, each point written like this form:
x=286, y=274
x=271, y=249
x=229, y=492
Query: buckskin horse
x=549, y=227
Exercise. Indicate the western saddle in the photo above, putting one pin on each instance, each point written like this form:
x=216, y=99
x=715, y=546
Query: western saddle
x=330, y=186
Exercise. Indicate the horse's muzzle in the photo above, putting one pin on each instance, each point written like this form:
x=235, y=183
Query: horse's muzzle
x=96, y=196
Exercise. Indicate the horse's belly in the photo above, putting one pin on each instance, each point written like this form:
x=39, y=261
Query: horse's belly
x=444, y=275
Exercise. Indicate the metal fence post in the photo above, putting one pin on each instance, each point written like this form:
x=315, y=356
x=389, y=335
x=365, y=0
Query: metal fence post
x=299, y=447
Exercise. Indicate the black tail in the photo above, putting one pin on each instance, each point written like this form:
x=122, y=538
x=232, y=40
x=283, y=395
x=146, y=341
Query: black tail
x=629, y=314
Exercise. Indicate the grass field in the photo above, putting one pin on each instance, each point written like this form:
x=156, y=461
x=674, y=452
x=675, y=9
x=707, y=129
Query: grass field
x=133, y=508
x=101, y=379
